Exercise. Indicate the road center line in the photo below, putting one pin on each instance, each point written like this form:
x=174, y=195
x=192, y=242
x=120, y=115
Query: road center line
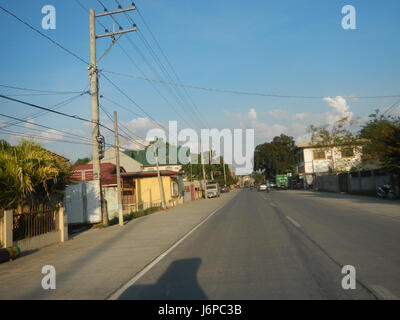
x=121, y=290
x=383, y=293
x=293, y=222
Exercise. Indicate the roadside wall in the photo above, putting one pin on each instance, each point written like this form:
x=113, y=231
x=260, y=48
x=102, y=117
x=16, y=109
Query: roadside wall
x=38, y=242
x=327, y=183
x=364, y=182
x=1, y=228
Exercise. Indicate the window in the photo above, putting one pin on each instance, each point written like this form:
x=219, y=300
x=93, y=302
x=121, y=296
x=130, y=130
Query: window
x=318, y=154
x=347, y=152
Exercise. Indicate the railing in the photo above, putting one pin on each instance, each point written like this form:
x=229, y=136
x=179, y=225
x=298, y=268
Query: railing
x=26, y=225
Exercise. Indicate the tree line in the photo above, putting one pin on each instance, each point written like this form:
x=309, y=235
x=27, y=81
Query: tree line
x=378, y=140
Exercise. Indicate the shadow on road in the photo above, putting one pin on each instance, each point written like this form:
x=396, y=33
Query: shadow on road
x=348, y=196
x=179, y=282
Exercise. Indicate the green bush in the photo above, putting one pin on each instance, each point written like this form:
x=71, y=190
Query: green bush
x=133, y=215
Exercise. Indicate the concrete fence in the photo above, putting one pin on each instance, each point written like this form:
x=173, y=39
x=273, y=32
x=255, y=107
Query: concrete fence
x=363, y=182
x=7, y=226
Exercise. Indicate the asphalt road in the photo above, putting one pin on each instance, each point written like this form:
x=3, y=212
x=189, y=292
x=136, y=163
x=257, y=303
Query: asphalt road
x=282, y=245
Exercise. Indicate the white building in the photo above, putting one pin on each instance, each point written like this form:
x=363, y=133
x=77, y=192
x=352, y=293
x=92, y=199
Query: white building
x=310, y=160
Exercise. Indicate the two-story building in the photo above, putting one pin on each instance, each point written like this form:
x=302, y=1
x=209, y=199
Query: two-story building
x=310, y=161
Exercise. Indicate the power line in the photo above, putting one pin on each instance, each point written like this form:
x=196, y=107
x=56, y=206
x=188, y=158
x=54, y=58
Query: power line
x=153, y=86
x=53, y=111
x=43, y=126
x=392, y=107
x=42, y=91
x=87, y=11
x=134, y=102
x=243, y=92
x=43, y=35
x=124, y=128
x=121, y=106
x=168, y=62
x=54, y=107
x=178, y=98
x=41, y=137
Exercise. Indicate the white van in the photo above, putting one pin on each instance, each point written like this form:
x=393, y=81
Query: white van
x=213, y=190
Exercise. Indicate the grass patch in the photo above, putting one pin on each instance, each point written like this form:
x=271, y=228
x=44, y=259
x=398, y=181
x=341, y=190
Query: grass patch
x=134, y=215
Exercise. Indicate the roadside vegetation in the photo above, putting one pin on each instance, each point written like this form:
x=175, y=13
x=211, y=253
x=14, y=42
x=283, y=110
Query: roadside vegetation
x=134, y=215
x=30, y=176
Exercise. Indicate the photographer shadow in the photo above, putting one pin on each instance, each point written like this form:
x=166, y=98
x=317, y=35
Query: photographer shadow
x=179, y=282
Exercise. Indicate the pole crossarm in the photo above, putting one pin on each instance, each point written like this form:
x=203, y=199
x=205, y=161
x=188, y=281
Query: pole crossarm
x=107, y=13
x=110, y=34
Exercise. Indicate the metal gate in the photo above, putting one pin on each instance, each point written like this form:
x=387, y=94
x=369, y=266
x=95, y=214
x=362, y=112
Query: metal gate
x=343, y=182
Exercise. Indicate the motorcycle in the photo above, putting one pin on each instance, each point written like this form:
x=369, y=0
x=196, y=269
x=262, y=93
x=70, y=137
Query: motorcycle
x=385, y=191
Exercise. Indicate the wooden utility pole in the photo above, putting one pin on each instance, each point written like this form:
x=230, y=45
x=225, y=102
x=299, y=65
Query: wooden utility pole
x=223, y=165
x=210, y=155
x=160, y=185
x=204, y=172
x=97, y=139
x=118, y=169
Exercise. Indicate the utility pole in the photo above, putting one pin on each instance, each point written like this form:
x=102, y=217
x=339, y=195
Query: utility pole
x=210, y=152
x=191, y=169
x=118, y=169
x=204, y=172
x=97, y=139
x=159, y=178
x=223, y=165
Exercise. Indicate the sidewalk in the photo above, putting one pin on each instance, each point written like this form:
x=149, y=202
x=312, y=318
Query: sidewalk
x=95, y=263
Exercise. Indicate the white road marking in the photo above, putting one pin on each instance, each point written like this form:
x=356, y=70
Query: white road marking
x=383, y=293
x=294, y=222
x=121, y=290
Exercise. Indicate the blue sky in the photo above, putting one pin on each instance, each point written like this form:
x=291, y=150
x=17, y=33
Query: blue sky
x=295, y=47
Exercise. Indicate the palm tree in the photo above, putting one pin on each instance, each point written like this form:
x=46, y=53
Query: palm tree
x=29, y=175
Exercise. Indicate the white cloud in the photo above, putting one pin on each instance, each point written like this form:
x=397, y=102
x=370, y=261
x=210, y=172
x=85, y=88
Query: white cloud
x=292, y=124
x=340, y=109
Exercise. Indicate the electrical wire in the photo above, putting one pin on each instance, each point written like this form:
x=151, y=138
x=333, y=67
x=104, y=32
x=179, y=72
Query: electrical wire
x=134, y=102
x=41, y=91
x=54, y=111
x=243, y=92
x=43, y=126
x=45, y=36
x=177, y=97
x=59, y=105
x=169, y=63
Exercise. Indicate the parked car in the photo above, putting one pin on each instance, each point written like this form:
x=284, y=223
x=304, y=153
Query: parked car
x=213, y=190
x=272, y=184
x=225, y=189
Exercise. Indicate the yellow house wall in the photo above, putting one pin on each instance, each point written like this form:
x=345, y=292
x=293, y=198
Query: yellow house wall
x=147, y=189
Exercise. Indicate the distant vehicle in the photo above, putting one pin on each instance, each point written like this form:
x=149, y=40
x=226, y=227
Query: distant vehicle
x=272, y=183
x=225, y=189
x=213, y=190
x=282, y=181
x=262, y=187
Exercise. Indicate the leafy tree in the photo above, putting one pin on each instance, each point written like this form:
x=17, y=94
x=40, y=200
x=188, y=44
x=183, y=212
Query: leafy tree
x=258, y=177
x=334, y=139
x=30, y=175
x=81, y=161
x=275, y=157
x=381, y=137
x=218, y=171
